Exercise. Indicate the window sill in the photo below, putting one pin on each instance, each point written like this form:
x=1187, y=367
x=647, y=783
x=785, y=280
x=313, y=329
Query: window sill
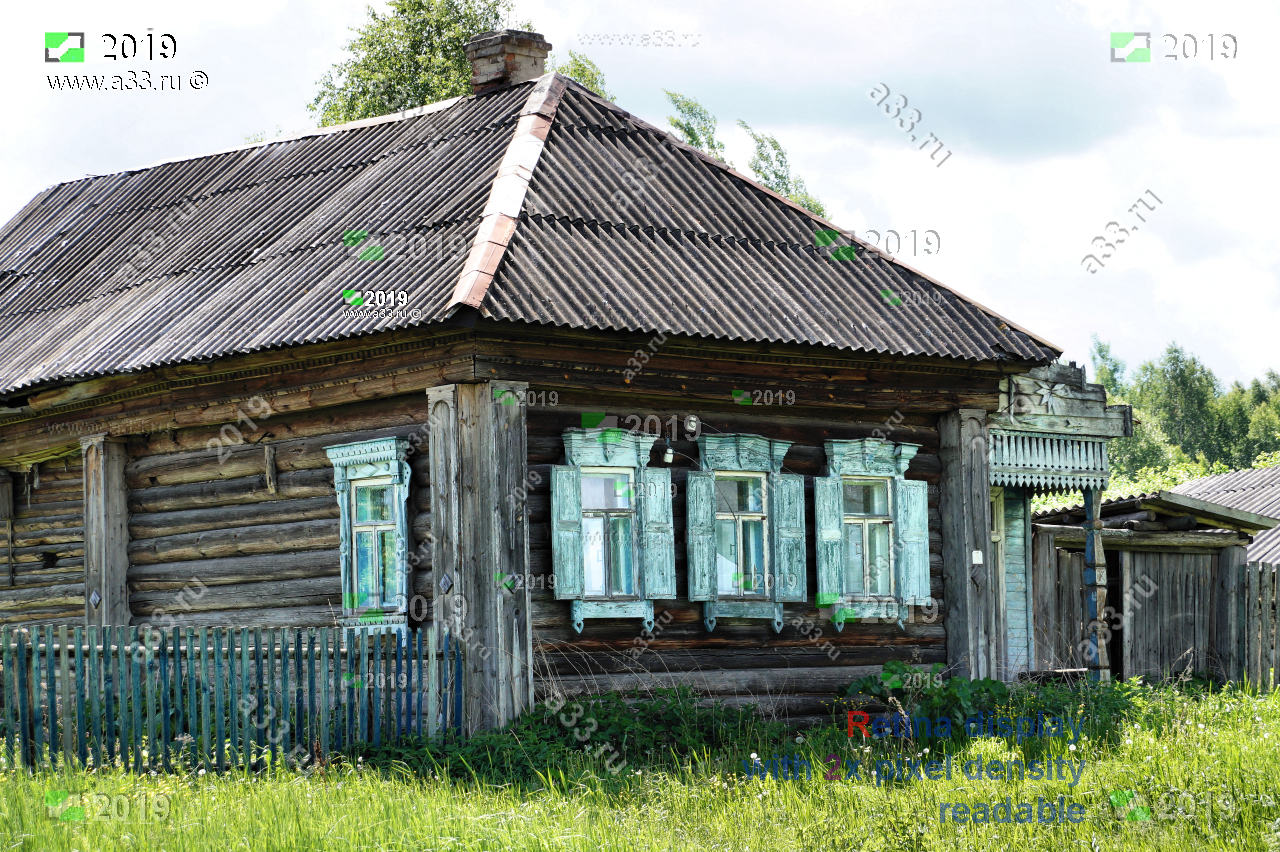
x=738, y=608
x=584, y=609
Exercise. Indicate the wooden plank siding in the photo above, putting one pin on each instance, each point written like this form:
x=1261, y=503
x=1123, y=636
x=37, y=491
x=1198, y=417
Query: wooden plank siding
x=1017, y=586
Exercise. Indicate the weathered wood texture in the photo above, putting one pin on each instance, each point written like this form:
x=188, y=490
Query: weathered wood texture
x=212, y=544
x=1167, y=632
x=479, y=457
x=106, y=557
x=975, y=616
x=1017, y=587
x=42, y=544
x=741, y=658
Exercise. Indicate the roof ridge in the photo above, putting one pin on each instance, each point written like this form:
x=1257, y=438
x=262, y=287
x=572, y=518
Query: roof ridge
x=501, y=214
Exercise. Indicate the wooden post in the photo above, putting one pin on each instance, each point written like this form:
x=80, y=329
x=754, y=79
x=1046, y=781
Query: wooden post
x=6, y=522
x=975, y=644
x=479, y=481
x=106, y=532
x=1095, y=586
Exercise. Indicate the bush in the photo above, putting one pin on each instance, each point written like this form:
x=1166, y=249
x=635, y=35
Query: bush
x=669, y=727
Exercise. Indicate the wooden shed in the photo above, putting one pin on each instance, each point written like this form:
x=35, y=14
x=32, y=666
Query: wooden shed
x=518, y=368
x=1177, y=579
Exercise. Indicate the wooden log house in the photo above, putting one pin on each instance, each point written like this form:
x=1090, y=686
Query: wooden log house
x=521, y=366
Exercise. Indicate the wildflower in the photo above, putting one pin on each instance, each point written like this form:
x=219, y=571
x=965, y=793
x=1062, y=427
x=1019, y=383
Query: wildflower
x=1071, y=747
x=800, y=739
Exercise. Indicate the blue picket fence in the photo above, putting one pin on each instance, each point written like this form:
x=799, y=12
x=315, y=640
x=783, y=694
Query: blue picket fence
x=218, y=698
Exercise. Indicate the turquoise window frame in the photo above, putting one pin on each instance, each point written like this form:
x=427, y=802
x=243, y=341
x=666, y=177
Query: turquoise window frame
x=376, y=462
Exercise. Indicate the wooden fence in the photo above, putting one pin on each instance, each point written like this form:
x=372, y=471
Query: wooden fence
x=1258, y=641
x=215, y=699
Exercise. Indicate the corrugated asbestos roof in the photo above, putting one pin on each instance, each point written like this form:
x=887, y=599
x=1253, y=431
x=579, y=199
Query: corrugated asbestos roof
x=620, y=228
x=1255, y=491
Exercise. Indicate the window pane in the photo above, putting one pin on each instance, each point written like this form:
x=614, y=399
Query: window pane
x=373, y=503
x=621, y=556
x=726, y=558
x=366, y=569
x=866, y=498
x=878, y=557
x=753, y=558
x=853, y=564
x=606, y=491
x=744, y=494
x=390, y=584
x=593, y=555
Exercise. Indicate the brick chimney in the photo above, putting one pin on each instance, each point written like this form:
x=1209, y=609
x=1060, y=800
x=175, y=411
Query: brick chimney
x=506, y=57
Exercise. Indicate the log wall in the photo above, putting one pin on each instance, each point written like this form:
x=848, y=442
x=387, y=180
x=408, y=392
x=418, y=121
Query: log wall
x=42, y=574
x=247, y=533
x=742, y=659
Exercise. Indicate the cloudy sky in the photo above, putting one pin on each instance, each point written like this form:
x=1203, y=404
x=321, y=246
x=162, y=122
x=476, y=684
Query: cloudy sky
x=1050, y=140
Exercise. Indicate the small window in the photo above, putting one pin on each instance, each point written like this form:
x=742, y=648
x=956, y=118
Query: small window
x=741, y=561
x=745, y=529
x=608, y=533
x=612, y=538
x=371, y=479
x=867, y=534
x=872, y=530
x=373, y=526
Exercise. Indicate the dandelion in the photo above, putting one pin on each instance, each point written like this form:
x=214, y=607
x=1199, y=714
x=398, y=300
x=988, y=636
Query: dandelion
x=1071, y=747
x=799, y=739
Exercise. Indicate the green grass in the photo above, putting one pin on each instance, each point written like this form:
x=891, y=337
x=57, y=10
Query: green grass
x=1206, y=764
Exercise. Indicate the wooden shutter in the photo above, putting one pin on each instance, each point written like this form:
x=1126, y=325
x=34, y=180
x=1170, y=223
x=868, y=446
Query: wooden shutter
x=828, y=515
x=786, y=524
x=911, y=534
x=700, y=530
x=566, y=530
x=657, y=535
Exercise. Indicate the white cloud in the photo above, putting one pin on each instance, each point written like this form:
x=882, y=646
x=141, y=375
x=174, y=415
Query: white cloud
x=1051, y=140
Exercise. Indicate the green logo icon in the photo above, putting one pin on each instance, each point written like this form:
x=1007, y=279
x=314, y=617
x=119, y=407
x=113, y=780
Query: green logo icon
x=827, y=237
x=351, y=239
x=1131, y=47
x=890, y=297
x=1126, y=802
x=58, y=802
x=352, y=297
x=504, y=396
x=352, y=679
x=892, y=681
x=64, y=47
x=507, y=582
x=592, y=419
x=741, y=397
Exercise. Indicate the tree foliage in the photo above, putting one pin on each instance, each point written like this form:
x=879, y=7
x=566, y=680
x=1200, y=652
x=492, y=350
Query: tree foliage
x=772, y=169
x=696, y=125
x=413, y=54
x=1183, y=417
x=582, y=70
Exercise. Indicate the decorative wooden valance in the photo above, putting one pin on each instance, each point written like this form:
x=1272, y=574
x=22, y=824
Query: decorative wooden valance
x=1045, y=462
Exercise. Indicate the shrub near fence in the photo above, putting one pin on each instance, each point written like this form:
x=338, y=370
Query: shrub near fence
x=215, y=699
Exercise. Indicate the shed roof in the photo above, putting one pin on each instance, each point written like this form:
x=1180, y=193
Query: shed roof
x=1247, y=490
x=564, y=209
